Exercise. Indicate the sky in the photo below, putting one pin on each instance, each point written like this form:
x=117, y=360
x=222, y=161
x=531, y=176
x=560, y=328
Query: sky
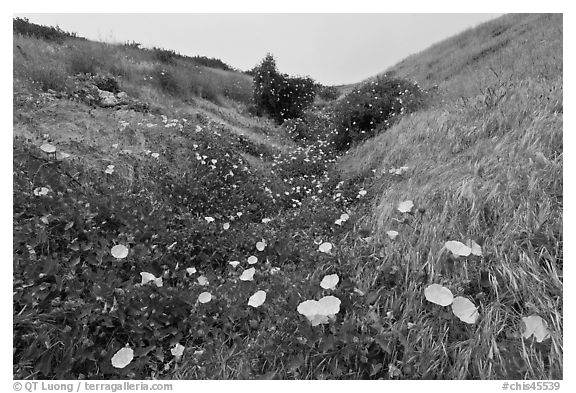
x=330, y=48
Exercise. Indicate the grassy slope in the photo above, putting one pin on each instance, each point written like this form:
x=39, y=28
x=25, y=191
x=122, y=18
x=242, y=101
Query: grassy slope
x=214, y=95
x=486, y=164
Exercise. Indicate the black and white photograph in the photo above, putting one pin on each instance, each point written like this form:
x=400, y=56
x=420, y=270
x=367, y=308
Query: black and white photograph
x=287, y=196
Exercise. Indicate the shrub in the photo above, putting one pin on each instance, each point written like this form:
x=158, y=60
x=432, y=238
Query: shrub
x=164, y=55
x=107, y=84
x=296, y=128
x=211, y=62
x=373, y=107
x=313, y=126
x=25, y=27
x=297, y=95
x=329, y=93
x=279, y=95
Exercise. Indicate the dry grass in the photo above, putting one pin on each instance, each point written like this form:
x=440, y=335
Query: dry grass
x=487, y=170
x=50, y=64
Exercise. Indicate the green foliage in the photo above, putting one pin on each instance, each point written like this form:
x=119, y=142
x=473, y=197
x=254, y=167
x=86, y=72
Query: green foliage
x=165, y=56
x=296, y=128
x=211, y=62
x=56, y=34
x=278, y=95
x=75, y=267
x=84, y=305
x=256, y=149
x=373, y=107
x=312, y=126
x=168, y=56
x=329, y=93
x=107, y=83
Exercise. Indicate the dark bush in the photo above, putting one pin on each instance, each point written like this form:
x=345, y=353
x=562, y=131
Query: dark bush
x=25, y=27
x=329, y=93
x=297, y=95
x=164, y=55
x=107, y=84
x=373, y=107
x=211, y=62
x=168, y=56
x=278, y=95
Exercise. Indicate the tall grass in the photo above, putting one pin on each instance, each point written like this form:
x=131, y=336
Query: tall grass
x=138, y=70
x=504, y=44
x=487, y=165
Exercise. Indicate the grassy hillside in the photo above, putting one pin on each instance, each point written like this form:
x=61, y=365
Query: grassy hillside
x=464, y=64
x=142, y=72
x=158, y=156
x=485, y=163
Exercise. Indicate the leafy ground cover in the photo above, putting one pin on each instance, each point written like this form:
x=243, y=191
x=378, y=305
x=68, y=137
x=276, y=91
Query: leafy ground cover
x=191, y=204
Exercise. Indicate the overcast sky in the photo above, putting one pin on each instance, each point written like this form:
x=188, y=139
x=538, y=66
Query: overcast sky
x=331, y=48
